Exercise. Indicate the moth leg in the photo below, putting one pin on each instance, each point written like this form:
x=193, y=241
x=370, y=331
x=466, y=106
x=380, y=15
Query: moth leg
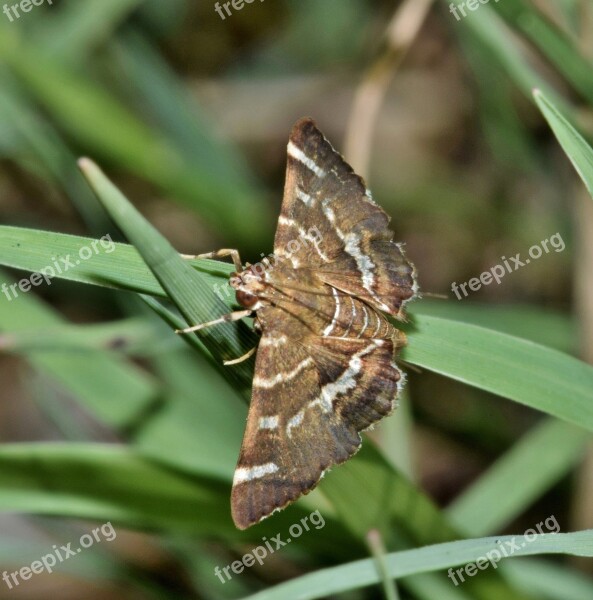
x=223, y=253
x=234, y=316
x=245, y=356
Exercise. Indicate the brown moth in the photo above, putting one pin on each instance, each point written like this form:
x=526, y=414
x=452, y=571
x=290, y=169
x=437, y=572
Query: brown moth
x=325, y=367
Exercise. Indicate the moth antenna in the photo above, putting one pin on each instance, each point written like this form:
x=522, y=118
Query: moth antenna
x=433, y=295
x=410, y=366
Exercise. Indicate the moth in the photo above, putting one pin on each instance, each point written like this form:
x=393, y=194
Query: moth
x=325, y=367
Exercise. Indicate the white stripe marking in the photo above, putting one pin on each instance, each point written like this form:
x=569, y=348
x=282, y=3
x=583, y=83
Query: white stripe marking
x=268, y=422
x=282, y=220
x=331, y=326
x=366, y=321
x=365, y=265
x=299, y=155
x=346, y=381
x=308, y=200
x=262, y=382
x=363, y=262
x=274, y=342
x=286, y=221
x=329, y=213
x=243, y=474
x=295, y=422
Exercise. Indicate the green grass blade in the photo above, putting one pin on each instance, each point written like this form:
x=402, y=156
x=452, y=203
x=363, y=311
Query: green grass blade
x=118, y=399
x=495, y=500
x=200, y=426
x=368, y=493
x=576, y=148
x=488, y=28
x=508, y=366
x=194, y=299
x=79, y=27
x=121, y=268
x=102, y=125
x=546, y=579
x=114, y=483
x=322, y=584
x=134, y=336
x=542, y=326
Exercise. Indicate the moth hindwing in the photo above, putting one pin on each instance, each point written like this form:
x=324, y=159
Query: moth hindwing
x=325, y=367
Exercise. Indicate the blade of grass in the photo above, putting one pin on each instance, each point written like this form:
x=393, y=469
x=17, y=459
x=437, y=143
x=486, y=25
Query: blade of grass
x=77, y=28
x=440, y=557
x=471, y=354
x=104, y=126
x=200, y=426
x=121, y=268
x=135, y=336
x=562, y=51
x=494, y=499
x=114, y=483
x=194, y=299
x=118, y=399
x=542, y=378
x=542, y=326
x=368, y=493
x=574, y=145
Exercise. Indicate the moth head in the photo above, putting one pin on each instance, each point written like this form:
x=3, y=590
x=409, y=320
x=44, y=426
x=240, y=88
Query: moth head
x=248, y=286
